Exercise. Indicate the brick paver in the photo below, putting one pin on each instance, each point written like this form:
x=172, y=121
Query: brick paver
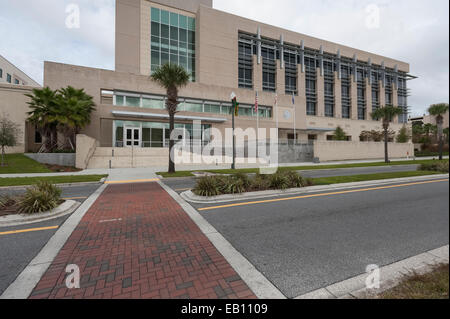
x=137, y=242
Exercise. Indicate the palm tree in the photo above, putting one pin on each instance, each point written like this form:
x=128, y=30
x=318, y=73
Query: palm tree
x=438, y=111
x=171, y=77
x=386, y=114
x=75, y=111
x=43, y=114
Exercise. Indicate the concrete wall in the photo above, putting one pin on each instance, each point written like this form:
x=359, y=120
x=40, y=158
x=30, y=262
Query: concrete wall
x=86, y=147
x=13, y=105
x=339, y=151
x=60, y=159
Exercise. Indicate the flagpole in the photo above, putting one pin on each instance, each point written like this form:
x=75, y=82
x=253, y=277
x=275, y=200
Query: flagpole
x=295, y=127
x=257, y=123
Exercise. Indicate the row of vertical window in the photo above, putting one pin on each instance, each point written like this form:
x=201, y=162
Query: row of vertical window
x=172, y=40
x=329, y=88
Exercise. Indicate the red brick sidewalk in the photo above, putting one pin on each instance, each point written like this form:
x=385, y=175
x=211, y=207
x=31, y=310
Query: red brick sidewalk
x=152, y=250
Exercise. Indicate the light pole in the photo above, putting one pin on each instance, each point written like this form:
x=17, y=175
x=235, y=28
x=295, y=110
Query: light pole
x=233, y=111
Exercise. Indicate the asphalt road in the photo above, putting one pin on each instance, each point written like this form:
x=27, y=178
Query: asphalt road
x=17, y=250
x=301, y=245
x=182, y=184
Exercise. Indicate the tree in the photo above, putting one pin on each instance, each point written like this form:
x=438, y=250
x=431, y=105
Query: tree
x=386, y=114
x=75, y=112
x=403, y=135
x=44, y=114
x=438, y=111
x=339, y=134
x=9, y=135
x=446, y=134
x=171, y=77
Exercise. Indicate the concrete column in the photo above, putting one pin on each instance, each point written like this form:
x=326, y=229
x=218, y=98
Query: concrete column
x=257, y=74
x=280, y=79
x=354, y=98
x=395, y=100
x=320, y=90
x=300, y=100
x=337, y=96
x=368, y=100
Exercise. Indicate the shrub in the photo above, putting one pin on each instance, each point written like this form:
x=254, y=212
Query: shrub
x=233, y=185
x=279, y=181
x=294, y=179
x=244, y=178
x=39, y=198
x=6, y=201
x=435, y=167
x=207, y=186
x=260, y=183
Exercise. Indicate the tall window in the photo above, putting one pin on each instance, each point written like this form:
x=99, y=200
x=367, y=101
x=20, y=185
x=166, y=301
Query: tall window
x=388, y=89
x=375, y=78
x=172, y=40
x=245, y=65
x=361, y=94
x=403, y=99
x=345, y=89
x=269, y=68
x=290, y=63
x=8, y=78
x=311, y=77
x=329, y=88
x=1, y=73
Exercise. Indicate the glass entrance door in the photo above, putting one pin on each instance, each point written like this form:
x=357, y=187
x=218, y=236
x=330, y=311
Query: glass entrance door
x=132, y=137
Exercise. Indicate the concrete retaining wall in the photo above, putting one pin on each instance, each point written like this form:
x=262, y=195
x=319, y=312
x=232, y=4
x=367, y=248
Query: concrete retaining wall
x=86, y=147
x=61, y=159
x=340, y=151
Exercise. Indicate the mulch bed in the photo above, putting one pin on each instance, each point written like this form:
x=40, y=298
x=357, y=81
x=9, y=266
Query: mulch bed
x=62, y=169
x=11, y=208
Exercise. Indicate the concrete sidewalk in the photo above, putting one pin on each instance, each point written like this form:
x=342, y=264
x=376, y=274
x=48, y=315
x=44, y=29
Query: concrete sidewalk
x=137, y=242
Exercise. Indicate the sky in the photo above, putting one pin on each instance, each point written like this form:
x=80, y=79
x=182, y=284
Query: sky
x=414, y=31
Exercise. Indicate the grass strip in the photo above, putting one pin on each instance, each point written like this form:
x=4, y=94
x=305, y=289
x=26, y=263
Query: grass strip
x=19, y=163
x=369, y=177
x=21, y=181
x=295, y=168
x=433, y=285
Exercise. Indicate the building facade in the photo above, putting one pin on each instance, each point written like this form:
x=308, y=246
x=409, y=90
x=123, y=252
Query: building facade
x=10, y=74
x=305, y=86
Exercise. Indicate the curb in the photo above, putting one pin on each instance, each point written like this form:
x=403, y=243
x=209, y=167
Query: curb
x=390, y=276
x=24, y=284
x=24, y=187
x=254, y=279
x=192, y=198
x=66, y=208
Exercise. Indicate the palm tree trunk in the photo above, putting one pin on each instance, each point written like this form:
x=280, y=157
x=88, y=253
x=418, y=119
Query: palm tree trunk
x=171, y=144
x=386, y=152
x=3, y=156
x=441, y=140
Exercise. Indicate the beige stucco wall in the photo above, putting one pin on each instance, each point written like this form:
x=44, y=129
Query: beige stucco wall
x=13, y=104
x=339, y=151
x=86, y=147
x=429, y=119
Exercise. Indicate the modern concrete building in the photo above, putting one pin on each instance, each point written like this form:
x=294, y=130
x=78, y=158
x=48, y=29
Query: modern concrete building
x=14, y=84
x=304, y=85
x=11, y=74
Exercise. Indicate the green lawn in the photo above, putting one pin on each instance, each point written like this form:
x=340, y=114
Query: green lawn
x=369, y=177
x=19, y=163
x=294, y=168
x=20, y=181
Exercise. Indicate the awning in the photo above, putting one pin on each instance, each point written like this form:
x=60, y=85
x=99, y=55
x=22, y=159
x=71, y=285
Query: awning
x=166, y=116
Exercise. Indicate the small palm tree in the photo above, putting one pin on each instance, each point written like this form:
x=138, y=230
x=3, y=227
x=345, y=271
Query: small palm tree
x=171, y=77
x=438, y=111
x=386, y=114
x=43, y=114
x=76, y=108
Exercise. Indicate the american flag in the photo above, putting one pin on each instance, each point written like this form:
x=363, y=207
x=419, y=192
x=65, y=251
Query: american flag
x=256, y=102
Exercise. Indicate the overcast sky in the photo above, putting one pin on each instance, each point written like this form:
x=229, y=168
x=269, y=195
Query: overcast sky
x=414, y=31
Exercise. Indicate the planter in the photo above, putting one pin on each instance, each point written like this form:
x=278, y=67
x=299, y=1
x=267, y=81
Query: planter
x=65, y=208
